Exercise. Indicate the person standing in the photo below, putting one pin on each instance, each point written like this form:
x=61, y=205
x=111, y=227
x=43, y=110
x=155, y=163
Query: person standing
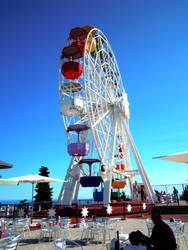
x=175, y=193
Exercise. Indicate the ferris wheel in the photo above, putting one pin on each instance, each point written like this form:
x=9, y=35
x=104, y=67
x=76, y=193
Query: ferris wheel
x=95, y=113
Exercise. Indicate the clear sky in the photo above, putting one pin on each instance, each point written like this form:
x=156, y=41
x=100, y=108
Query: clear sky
x=150, y=42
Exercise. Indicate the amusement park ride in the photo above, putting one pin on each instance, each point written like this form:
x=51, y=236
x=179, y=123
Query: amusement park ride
x=95, y=113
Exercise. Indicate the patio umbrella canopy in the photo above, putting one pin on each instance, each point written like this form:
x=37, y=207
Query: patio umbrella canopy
x=34, y=178
x=4, y=165
x=178, y=157
x=8, y=182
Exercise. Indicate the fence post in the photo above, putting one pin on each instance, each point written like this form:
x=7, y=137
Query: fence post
x=6, y=211
x=124, y=210
x=141, y=215
x=14, y=211
x=103, y=210
x=77, y=214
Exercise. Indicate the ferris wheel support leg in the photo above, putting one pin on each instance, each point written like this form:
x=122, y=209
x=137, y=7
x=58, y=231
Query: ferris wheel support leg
x=131, y=186
x=67, y=190
x=107, y=191
x=139, y=163
x=59, y=202
x=76, y=192
x=108, y=182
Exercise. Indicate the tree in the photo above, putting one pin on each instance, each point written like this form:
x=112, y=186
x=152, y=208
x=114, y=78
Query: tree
x=44, y=191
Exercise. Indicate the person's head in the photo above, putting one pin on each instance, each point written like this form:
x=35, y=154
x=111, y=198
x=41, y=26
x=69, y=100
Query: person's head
x=155, y=215
x=172, y=219
x=134, y=238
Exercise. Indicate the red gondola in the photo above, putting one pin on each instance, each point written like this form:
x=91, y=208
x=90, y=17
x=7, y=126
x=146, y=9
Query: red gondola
x=71, y=70
x=79, y=45
x=78, y=33
x=72, y=52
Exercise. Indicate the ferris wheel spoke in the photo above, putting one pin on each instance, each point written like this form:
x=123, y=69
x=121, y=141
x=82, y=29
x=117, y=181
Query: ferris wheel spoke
x=107, y=141
x=97, y=74
x=103, y=123
x=101, y=118
x=101, y=84
x=95, y=94
x=103, y=133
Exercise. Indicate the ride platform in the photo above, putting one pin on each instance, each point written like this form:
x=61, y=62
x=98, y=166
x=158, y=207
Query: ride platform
x=119, y=208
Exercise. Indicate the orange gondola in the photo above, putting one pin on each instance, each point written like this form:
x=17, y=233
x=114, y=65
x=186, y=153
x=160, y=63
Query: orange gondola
x=81, y=43
x=118, y=184
x=87, y=28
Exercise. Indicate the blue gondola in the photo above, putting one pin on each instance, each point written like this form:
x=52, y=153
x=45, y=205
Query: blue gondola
x=98, y=196
x=90, y=181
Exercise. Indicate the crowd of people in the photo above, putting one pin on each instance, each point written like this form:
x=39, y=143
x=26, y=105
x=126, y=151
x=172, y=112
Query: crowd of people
x=185, y=193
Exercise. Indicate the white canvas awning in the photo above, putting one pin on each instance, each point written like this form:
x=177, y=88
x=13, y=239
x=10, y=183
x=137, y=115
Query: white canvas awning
x=178, y=157
x=8, y=182
x=34, y=178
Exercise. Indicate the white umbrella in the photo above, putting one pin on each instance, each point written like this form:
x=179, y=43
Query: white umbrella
x=35, y=178
x=178, y=157
x=8, y=182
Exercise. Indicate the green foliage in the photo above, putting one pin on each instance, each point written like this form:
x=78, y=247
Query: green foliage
x=44, y=191
x=23, y=201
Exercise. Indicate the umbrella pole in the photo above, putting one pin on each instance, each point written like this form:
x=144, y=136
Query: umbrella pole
x=32, y=202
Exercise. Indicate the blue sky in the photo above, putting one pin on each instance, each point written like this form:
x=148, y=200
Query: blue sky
x=149, y=40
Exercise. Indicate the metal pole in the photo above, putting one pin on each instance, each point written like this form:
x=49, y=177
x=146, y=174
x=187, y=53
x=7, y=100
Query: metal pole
x=124, y=210
x=32, y=203
x=77, y=214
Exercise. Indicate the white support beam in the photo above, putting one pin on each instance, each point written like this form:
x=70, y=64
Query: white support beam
x=108, y=182
x=140, y=166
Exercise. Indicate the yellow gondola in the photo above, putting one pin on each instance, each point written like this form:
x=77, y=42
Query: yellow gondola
x=118, y=184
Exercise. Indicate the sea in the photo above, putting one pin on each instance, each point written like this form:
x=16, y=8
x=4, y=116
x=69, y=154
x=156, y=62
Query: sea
x=80, y=201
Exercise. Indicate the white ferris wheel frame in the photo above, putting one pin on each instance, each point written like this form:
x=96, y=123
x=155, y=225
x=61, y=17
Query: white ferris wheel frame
x=106, y=112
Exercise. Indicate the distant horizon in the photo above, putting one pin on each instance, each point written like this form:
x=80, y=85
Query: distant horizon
x=156, y=186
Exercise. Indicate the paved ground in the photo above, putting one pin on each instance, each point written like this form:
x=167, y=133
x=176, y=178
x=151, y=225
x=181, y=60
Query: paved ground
x=124, y=226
